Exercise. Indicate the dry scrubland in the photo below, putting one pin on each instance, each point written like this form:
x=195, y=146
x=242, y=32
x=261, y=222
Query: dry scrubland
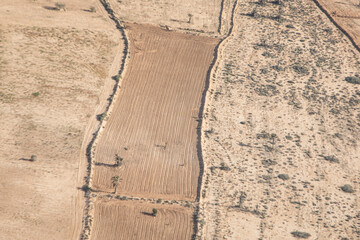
x=281, y=129
x=53, y=67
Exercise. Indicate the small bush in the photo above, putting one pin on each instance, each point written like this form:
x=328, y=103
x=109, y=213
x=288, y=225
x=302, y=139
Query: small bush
x=85, y=188
x=301, y=69
x=35, y=94
x=60, y=6
x=224, y=167
x=154, y=212
x=283, y=177
x=298, y=234
x=331, y=159
x=33, y=158
x=353, y=80
x=92, y=9
x=347, y=188
x=101, y=117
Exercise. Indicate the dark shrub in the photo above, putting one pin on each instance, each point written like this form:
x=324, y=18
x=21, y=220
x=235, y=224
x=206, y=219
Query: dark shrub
x=347, y=188
x=353, y=80
x=298, y=234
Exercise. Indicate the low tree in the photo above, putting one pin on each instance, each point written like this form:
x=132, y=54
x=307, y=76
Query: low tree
x=60, y=6
x=33, y=158
x=92, y=9
x=118, y=160
x=115, y=182
x=190, y=17
x=154, y=212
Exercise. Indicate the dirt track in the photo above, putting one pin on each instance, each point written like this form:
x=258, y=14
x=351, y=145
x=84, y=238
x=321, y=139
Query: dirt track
x=154, y=119
x=115, y=220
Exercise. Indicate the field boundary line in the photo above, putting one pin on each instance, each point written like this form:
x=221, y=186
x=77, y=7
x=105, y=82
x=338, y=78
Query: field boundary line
x=90, y=150
x=204, y=103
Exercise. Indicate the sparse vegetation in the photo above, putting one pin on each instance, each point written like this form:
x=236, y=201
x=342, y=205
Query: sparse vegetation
x=35, y=94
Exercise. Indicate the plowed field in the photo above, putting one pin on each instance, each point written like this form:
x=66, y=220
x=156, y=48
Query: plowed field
x=154, y=119
x=132, y=220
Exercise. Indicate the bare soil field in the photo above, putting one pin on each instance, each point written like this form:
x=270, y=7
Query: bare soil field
x=55, y=71
x=154, y=119
x=346, y=13
x=281, y=128
x=116, y=219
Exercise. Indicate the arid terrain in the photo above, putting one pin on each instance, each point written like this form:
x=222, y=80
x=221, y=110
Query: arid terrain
x=55, y=76
x=281, y=129
x=219, y=119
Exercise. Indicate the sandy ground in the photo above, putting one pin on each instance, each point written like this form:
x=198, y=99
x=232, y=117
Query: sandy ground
x=116, y=219
x=281, y=129
x=347, y=14
x=280, y=135
x=175, y=14
x=154, y=119
x=55, y=70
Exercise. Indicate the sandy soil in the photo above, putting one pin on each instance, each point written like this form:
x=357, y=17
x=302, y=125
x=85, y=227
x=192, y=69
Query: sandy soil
x=154, y=119
x=175, y=14
x=116, y=219
x=346, y=13
x=281, y=129
x=280, y=136
x=55, y=70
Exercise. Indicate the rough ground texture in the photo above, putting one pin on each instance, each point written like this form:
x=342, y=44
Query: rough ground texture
x=54, y=69
x=281, y=129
